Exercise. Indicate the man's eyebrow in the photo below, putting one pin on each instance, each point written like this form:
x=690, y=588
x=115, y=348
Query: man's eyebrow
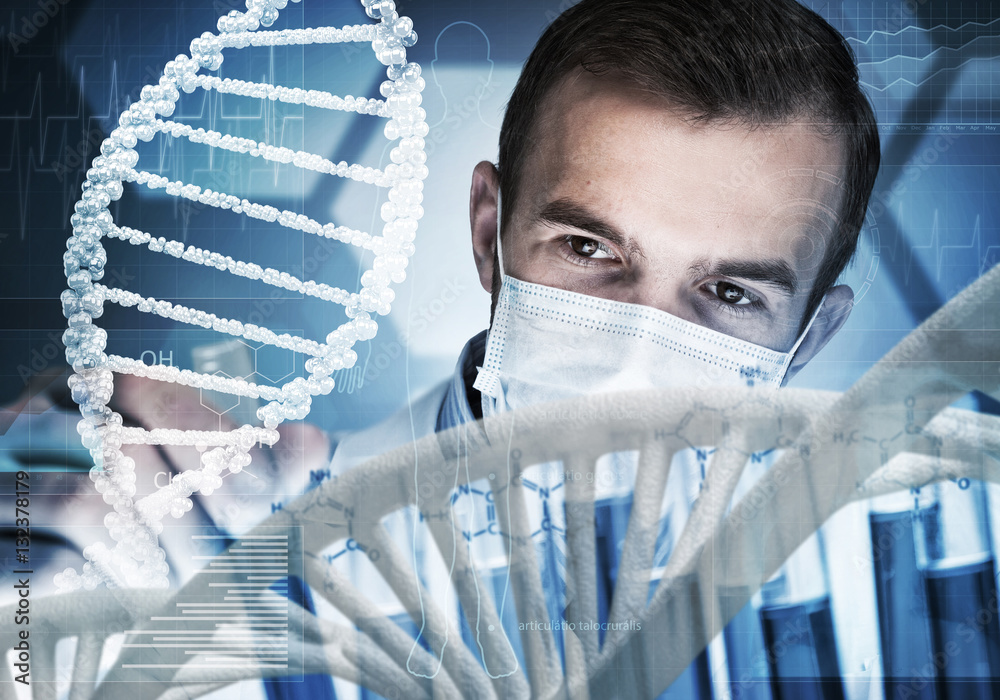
x=777, y=273
x=565, y=212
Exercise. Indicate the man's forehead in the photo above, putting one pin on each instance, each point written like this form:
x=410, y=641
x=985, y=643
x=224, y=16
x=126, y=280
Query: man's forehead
x=598, y=133
x=584, y=113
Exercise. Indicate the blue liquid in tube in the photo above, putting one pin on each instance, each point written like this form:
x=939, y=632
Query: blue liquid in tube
x=781, y=644
x=802, y=651
x=955, y=560
x=901, y=600
x=611, y=517
x=749, y=677
x=610, y=526
x=962, y=602
x=551, y=558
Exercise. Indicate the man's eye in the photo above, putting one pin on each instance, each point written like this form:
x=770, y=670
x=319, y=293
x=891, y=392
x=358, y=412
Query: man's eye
x=589, y=248
x=731, y=294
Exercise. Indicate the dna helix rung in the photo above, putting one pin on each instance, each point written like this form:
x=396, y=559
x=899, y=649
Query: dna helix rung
x=281, y=154
x=251, y=271
x=93, y=384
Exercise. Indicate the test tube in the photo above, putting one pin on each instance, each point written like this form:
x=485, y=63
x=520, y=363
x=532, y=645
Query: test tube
x=781, y=644
x=797, y=625
x=614, y=480
x=904, y=629
x=955, y=556
x=746, y=657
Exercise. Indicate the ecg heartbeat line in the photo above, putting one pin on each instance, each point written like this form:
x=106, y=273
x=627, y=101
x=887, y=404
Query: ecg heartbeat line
x=973, y=252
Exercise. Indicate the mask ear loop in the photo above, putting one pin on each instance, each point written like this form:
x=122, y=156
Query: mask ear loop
x=802, y=336
x=487, y=382
x=499, y=229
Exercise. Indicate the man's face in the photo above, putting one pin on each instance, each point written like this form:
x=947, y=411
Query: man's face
x=622, y=198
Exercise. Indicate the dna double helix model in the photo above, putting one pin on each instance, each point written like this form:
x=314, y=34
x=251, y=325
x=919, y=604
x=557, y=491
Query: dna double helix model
x=951, y=354
x=135, y=558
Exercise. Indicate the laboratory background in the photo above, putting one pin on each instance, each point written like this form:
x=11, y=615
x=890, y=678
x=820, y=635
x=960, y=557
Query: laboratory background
x=68, y=68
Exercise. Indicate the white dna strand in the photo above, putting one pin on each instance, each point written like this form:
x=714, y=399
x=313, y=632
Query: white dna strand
x=136, y=559
x=903, y=401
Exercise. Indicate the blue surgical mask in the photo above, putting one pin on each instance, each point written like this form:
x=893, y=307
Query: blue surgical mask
x=548, y=344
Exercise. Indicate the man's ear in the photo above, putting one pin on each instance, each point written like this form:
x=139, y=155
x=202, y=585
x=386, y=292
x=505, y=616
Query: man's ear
x=483, y=217
x=836, y=308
